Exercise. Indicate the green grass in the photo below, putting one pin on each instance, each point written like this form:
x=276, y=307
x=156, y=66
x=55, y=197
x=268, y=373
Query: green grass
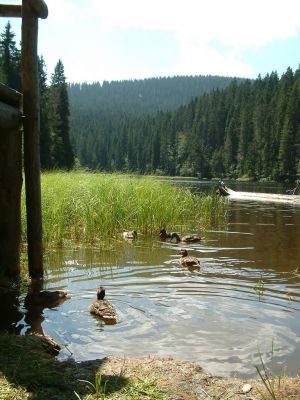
x=27, y=372
x=88, y=208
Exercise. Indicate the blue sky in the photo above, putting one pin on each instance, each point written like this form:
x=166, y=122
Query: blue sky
x=115, y=39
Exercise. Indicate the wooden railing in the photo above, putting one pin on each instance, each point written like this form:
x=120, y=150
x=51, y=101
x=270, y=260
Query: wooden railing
x=30, y=11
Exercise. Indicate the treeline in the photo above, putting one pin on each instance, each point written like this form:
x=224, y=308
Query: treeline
x=247, y=128
x=55, y=148
x=250, y=128
x=142, y=96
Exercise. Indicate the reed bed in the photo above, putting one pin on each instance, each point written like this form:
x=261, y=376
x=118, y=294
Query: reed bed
x=91, y=207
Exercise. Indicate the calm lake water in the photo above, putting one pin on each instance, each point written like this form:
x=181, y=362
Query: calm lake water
x=245, y=297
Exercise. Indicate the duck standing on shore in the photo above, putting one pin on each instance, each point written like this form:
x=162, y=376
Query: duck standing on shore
x=188, y=261
x=103, y=308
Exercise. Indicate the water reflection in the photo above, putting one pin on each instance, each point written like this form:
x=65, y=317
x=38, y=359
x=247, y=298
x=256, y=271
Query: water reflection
x=245, y=295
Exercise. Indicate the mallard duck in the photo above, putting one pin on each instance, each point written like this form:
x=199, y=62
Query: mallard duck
x=191, y=239
x=103, y=308
x=188, y=261
x=48, y=344
x=130, y=235
x=46, y=297
x=164, y=235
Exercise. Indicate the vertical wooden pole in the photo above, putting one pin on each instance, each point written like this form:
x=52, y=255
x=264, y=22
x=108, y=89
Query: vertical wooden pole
x=31, y=125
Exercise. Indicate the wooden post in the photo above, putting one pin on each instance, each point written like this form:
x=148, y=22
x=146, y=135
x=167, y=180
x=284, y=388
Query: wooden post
x=10, y=181
x=31, y=126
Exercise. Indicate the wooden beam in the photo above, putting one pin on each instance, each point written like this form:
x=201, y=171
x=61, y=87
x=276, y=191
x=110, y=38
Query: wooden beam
x=10, y=96
x=31, y=126
x=10, y=117
x=39, y=7
x=10, y=10
x=10, y=200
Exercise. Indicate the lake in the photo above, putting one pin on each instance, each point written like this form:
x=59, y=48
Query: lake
x=244, y=300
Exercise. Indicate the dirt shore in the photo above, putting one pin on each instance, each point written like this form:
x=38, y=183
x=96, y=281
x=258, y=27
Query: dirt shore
x=184, y=380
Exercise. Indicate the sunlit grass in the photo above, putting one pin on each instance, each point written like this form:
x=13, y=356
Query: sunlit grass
x=88, y=208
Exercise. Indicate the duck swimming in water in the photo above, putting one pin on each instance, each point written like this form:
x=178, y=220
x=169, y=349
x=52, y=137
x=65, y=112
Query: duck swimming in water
x=191, y=239
x=103, y=308
x=188, y=261
x=130, y=235
x=164, y=235
x=46, y=297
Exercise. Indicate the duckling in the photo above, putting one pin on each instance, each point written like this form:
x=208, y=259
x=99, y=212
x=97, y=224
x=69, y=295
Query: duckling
x=46, y=297
x=130, y=235
x=164, y=235
x=103, y=308
x=188, y=261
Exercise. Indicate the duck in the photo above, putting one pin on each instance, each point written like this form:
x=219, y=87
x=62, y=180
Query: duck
x=188, y=261
x=164, y=235
x=103, y=308
x=191, y=239
x=129, y=235
x=46, y=297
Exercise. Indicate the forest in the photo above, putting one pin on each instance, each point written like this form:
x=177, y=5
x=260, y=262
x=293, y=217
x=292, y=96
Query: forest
x=205, y=126
x=249, y=129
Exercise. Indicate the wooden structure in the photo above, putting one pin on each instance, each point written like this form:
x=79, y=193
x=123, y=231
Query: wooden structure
x=21, y=111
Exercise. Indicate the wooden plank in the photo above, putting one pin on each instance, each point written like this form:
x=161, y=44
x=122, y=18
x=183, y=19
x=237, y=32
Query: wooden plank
x=10, y=117
x=31, y=127
x=10, y=10
x=10, y=96
x=40, y=8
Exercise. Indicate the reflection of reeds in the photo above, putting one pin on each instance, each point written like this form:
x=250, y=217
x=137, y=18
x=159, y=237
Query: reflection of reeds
x=259, y=288
x=86, y=207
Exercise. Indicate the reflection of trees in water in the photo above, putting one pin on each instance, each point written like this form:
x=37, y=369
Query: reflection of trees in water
x=14, y=318
x=9, y=308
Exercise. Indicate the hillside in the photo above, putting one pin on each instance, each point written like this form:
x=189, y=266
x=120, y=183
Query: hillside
x=142, y=96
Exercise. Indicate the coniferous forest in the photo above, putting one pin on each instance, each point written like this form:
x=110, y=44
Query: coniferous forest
x=205, y=126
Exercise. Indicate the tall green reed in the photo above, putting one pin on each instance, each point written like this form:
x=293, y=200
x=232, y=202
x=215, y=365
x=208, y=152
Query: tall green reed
x=90, y=207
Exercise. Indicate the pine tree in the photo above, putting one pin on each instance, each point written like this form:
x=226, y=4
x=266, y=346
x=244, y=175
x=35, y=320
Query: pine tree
x=45, y=140
x=61, y=152
x=9, y=59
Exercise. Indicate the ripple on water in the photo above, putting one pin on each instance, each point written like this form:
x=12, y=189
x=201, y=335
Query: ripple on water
x=244, y=297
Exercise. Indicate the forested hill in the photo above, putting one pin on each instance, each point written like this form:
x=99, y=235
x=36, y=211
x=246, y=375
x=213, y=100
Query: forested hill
x=142, y=96
x=251, y=128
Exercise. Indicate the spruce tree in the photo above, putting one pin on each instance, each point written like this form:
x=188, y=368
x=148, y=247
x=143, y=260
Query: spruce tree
x=61, y=151
x=9, y=59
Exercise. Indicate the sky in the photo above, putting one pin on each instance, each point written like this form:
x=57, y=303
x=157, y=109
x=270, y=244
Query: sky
x=107, y=40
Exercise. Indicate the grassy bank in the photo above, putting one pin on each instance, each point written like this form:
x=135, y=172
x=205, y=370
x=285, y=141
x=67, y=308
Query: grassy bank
x=27, y=372
x=86, y=207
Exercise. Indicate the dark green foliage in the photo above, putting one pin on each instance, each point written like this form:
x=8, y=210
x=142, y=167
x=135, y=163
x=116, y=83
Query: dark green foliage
x=9, y=59
x=250, y=128
x=58, y=111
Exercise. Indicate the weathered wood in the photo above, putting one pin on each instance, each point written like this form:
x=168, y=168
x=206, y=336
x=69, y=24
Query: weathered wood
x=10, y=200
x=39, y=7
x=10, y=117
x=10, y=96
x=31, y=126
x=10, y=10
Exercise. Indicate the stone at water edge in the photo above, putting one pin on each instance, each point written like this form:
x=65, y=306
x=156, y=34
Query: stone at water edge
x=246, y=388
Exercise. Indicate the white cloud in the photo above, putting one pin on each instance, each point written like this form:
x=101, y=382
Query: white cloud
x=210, y=35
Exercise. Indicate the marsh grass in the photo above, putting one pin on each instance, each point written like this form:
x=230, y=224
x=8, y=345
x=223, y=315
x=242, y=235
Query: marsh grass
x=270, y=381
x=88, y=208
